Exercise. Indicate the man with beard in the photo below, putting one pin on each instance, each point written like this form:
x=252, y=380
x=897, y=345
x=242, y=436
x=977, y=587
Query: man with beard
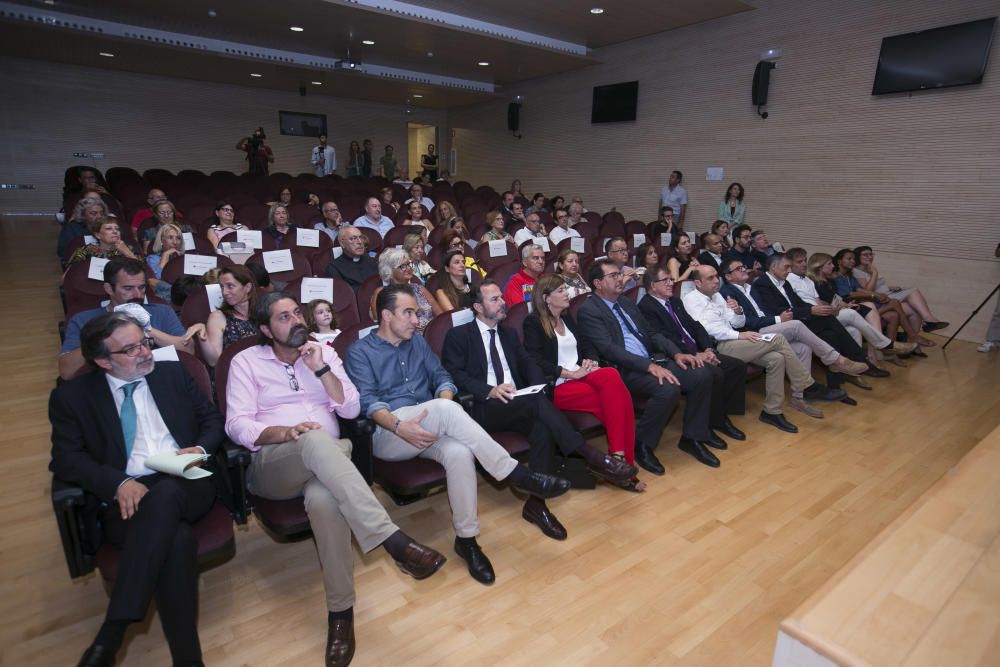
x=125, y=285
x=105, y=426
x=283, y=398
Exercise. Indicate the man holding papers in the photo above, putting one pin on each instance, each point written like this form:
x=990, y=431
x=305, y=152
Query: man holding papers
x=106, y=426
x=488, y=361
x=408, y=394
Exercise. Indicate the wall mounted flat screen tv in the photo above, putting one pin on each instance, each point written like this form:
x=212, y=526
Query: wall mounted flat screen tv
x=954, y=55
x=297, y=124
x=615, y=103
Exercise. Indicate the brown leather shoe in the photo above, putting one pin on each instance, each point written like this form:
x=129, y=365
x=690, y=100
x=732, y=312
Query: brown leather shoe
x=340, y=643
x=419, y=561
x=848, y=367
x=614, y=469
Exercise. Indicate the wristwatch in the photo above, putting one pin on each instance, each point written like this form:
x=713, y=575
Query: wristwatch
x=323, y=371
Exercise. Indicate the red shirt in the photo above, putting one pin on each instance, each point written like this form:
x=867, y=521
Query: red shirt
x=519, y=289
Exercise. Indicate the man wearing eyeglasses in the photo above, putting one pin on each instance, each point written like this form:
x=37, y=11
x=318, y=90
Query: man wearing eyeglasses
x=331, y=222
x=283, y=398
x=623, y=338
x=562, y=230
x=105, y=426
x=353, y=265
x=617, y=250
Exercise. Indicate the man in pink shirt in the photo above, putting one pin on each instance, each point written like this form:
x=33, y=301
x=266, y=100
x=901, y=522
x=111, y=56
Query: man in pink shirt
x=283, y=398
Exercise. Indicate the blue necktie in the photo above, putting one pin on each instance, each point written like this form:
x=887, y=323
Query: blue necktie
x=128, y=418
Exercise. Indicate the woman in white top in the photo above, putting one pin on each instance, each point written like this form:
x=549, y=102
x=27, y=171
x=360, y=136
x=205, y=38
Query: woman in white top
x=581, y=384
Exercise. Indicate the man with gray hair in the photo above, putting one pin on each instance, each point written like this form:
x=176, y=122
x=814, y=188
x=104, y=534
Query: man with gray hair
x=521, y=284
x=373, y=218
x=532, y=229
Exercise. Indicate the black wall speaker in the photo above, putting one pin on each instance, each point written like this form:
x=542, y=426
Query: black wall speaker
x=761, y=80
x=513, y=116
x=302, y=91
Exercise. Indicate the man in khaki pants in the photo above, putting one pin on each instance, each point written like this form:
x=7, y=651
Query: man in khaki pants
x=771, y=351
x=283, y=398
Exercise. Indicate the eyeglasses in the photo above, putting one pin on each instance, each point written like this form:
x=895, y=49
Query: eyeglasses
x=405, y=266
x=292, y=380
x=133, y=351
x=668, y=279
x=736, y=270
x=618, y=251
x=613, y=274
x=226, y=209
x=166, y=213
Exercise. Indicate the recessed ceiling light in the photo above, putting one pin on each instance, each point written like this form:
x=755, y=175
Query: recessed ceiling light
x=211, y=13
x=49, y=2
x=430, y=54
x=368, y=42
x=106, y=54
x=483, y=63
x=597, y=10
x=417, y=96
x=317, y=83
x=296, y=28
x=255, y=75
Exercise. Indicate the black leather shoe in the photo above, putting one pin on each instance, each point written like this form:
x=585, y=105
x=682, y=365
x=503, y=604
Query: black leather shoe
x=699, y=451
x=479, y=565
x=614, y=470
x=97, y=656
x=542, y=516
x=647, y=460
x=715, y=441
x=820, y=392
x=729, y=430
x=847, y=400
x=779, y=421
x=875, y=372
x=934, y=326
x=340, y=642
x=419, y=561
x=544, y=486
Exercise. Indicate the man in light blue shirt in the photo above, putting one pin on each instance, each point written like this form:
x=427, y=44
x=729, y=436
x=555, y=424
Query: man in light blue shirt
x=373, y=218
x=675, y=196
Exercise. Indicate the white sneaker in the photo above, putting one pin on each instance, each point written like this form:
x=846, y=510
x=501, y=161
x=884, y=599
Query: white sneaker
x=989, y=346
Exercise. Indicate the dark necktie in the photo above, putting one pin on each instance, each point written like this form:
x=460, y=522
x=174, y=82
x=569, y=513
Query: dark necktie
x=628, y=323
x=495, y=358
x=128, y=418
x=685, y=337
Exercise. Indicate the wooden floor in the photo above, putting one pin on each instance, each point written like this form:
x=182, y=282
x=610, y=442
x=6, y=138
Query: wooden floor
x=698, y=571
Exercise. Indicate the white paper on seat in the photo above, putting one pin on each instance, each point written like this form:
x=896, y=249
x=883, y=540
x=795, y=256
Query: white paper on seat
x=197, y=265
x=214, y=292
x=665, y=239
x=693, y=237
x=96, y=269
x=89, y=240
x=638, y=239
x=167, y=353
x=307, y=237
x=337, y=251
x=577, y=244
x=460, y=317
x=234, y=247
x=316, y=288
x=498, y=248
x=181, y=465
x=468, y=276
x=188, y=240
x=253, y=238
x=276, y=261
x=542, y=241
x=367, y=330
x=534, y=389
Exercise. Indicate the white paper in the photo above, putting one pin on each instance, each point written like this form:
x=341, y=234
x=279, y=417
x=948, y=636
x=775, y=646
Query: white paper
x=251, y=237
x=460, y=317
x=188, y=240
x=234, y=247
x=89, y=240
x=316, y=288
x=367, y=330
x=665, y=239
x=542, y=241
x=337, y=251
x=534, y=389
x=498, y=248
x=693, y=237
x=96, y=270
x=277, y=261
x=181, y=465
x=197, y=265
x=307, y=237
x=468, y=276
x=577, y=244
x=168, y=353
x=638, y=239
x=768, y=337
x=713, y=174
x=214, y=292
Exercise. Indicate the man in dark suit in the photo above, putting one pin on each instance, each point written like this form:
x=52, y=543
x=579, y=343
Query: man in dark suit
x=488, y=361
x=775, y=296
x=713, y=252
x=105, y=425
x=694, y=346
x=623, y=338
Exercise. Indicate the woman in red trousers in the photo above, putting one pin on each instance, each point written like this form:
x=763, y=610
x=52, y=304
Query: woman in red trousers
x=550, y=338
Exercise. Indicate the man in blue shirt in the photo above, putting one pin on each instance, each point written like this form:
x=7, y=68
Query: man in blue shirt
x=373, y=218
x=743, y=250
x=407, y=392
x=125, y=283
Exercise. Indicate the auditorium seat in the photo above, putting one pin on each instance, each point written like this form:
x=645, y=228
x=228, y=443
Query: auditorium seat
x=345, y=304
x=174, y=268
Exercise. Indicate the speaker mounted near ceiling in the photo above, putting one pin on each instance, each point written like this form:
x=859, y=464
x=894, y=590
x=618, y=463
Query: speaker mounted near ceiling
x=514, y=118
x=761, y=82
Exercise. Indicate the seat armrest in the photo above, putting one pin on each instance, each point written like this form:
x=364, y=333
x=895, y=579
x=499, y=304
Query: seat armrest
x=68, y=503
x=359, y=431
x=237, y=460
x=466, y=400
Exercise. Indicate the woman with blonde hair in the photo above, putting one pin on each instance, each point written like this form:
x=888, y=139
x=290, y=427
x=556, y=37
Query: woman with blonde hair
x=444, y=213
x=167, y=244
x=551, y=338
x=413, y=245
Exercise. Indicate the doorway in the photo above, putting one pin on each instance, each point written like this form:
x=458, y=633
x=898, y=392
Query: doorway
x=418, y=137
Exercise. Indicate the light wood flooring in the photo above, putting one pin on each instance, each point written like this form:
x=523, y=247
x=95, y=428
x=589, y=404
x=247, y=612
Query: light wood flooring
x=697, y=571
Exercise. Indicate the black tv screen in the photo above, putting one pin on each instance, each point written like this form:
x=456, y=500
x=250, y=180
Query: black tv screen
x=615, y=103
x=954, y=55
x=298, y=124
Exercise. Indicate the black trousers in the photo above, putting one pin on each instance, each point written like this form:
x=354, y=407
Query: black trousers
x=830, y=330
x=729, y=389
x=538, y=420
x=696, y=384
x=159, y=558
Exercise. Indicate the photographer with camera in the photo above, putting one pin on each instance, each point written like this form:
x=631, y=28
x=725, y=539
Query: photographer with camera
x=259, y=155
